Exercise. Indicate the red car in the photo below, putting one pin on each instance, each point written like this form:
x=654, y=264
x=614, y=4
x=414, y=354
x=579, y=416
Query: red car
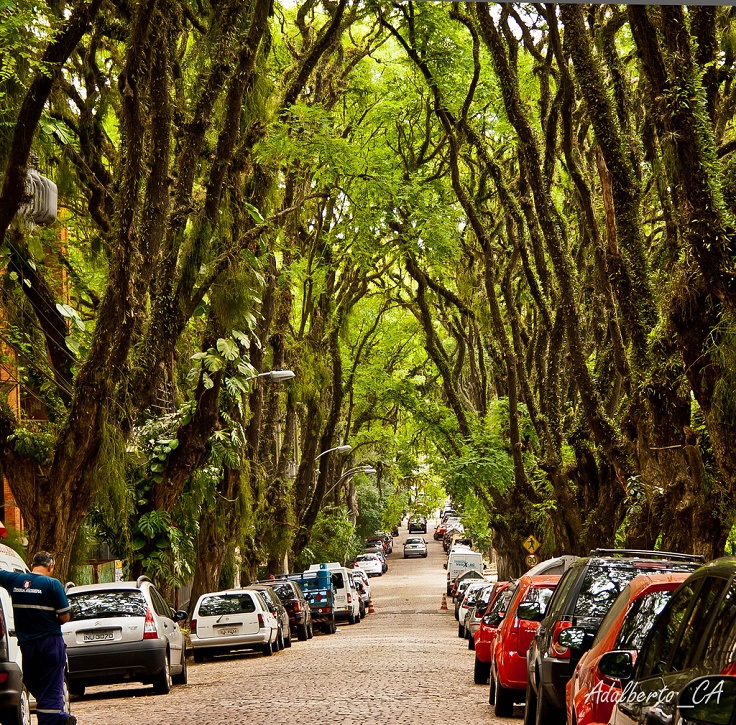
x=591, y=697
x=486, y=633
x=439, y=532
x=508, y=652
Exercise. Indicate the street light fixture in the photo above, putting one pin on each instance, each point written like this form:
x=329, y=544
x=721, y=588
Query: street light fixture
x=276, y=376
x=340, y=449
x=368, y=470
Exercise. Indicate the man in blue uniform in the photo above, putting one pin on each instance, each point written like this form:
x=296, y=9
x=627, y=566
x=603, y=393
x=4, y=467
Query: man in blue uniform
x=40, y=607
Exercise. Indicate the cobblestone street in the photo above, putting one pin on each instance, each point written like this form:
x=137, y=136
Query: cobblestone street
x=401, y=665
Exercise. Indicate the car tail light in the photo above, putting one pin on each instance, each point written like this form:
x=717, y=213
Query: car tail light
x=4, y=676
x=149, y=628
x=729, y=669
x=194, y=626
x=297, y=606
x=555, y=648
x=261, y=621
x=350, y=598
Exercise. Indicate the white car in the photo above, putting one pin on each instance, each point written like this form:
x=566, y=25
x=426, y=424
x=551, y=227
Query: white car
x=415, y=546
x=233, y=619
x=122, y=632
x=371, y=564
x=360, y=577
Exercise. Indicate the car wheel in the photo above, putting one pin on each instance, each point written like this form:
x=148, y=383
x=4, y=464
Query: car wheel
x=310, y=631
x=302, y=632
x=547, y=713
x=279, y=642
x=461, y=631
x=471, y=643
x=183, y=677
x=492, y=687
x=504, y=705
x=530, y=706
x=333, y=627
x=481, y=671
x=21, y=713
x=162, y=681
x=424, y=556
x=198, y=656
x=267, y=649
x=287, y=641
x=351, y=618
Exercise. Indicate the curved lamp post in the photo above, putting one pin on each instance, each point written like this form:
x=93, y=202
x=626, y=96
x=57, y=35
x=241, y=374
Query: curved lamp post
x=275, y=376
x=368, y=470
x=340, y=449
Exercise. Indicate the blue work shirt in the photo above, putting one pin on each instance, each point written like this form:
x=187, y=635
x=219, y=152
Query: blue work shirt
x=37, y=602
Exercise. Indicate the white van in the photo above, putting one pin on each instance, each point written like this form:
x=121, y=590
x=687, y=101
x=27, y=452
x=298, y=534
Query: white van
x=462, y=560
x=347, y=601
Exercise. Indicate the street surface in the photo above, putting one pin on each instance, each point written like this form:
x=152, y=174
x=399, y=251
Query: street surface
x=404, y=664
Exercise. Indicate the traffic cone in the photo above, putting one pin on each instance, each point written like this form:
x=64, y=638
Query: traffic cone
x=444, y=603
x=371, y=610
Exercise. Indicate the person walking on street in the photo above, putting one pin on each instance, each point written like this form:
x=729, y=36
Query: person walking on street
x=40, y=607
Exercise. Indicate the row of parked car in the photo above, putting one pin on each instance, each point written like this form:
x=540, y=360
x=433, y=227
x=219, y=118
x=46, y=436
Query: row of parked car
x=618, y=637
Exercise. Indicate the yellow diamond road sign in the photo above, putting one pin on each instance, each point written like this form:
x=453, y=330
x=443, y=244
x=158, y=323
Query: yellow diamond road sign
x=531, y=544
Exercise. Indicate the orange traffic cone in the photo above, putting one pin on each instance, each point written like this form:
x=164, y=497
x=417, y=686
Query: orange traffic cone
x=444, y=603
x=371, y=610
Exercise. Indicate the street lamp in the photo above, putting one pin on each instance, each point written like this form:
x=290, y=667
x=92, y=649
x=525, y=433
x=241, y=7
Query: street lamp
x=276, y=376
x=340, y=449
x=368, y=470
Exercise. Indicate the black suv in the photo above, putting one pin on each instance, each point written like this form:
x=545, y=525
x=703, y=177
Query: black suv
x=292, y=597
x=582, y=598
x=694, y=635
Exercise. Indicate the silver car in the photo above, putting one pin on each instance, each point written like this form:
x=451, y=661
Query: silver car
x=415, y=546
x=123, y=631
x=233, y=619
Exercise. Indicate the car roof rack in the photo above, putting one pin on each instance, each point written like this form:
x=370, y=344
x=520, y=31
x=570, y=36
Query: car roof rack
x=142, y=579
x=68, y=586
x=646, y=554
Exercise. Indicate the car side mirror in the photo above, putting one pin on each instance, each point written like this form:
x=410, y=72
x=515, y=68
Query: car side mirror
x=618, y=665
x=179, y=616
x=710, y=700
x=572, y=637
x=530, y=611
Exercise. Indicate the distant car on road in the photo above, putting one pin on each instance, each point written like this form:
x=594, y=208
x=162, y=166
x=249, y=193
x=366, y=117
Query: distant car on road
x=418, y=525
x=415, y=546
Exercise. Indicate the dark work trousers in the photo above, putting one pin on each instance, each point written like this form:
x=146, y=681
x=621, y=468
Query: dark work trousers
x=43, y=675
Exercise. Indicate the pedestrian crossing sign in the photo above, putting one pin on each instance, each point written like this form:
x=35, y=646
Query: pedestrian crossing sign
x=531, y=544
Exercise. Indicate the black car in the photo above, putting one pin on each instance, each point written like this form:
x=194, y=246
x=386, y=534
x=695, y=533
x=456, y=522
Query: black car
x=694, y=635
x=279, y=611
x=582, y=598
x=418, y=526
x=296, y=605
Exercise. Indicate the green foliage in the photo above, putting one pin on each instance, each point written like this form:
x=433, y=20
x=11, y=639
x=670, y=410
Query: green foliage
x=333, y=539
x=370, y=509
x=36, y=444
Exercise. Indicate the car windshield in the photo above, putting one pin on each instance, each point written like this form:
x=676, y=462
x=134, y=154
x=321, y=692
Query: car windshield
x=215, y=605
x=116, y=603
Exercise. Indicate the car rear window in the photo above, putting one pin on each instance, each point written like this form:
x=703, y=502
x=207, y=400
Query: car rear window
x=116, y=603
x=284, y=591
x=338, y=580
x=366, y=557
x=218, y=604
x=414, y=541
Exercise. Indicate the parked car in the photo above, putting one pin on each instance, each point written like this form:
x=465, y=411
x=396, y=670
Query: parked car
x=415, y=546
x=439, y=532
x=360, y=575
x=460, y=561
x=487, y=631
x=694, y=636
x=381, y=541
x=14, y=698
x=230, y=620
x=457, y=591
x=476, y=612
x=590, y=696
x=276, y=607
x=347, y=606
x=123, y=631
x=471, y=594
x=297, y=606
x=360, y=588
x=528, y=602
x=388, y=540
x=319, y=591
x=374, y=547
x=585, y=594
x=371, y=564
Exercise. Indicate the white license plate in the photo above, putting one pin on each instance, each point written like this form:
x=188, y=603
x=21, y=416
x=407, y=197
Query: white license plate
x=97, y=636
x=228, y=630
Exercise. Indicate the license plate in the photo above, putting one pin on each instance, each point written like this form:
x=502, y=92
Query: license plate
x=97, y=636
x=228, y=630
